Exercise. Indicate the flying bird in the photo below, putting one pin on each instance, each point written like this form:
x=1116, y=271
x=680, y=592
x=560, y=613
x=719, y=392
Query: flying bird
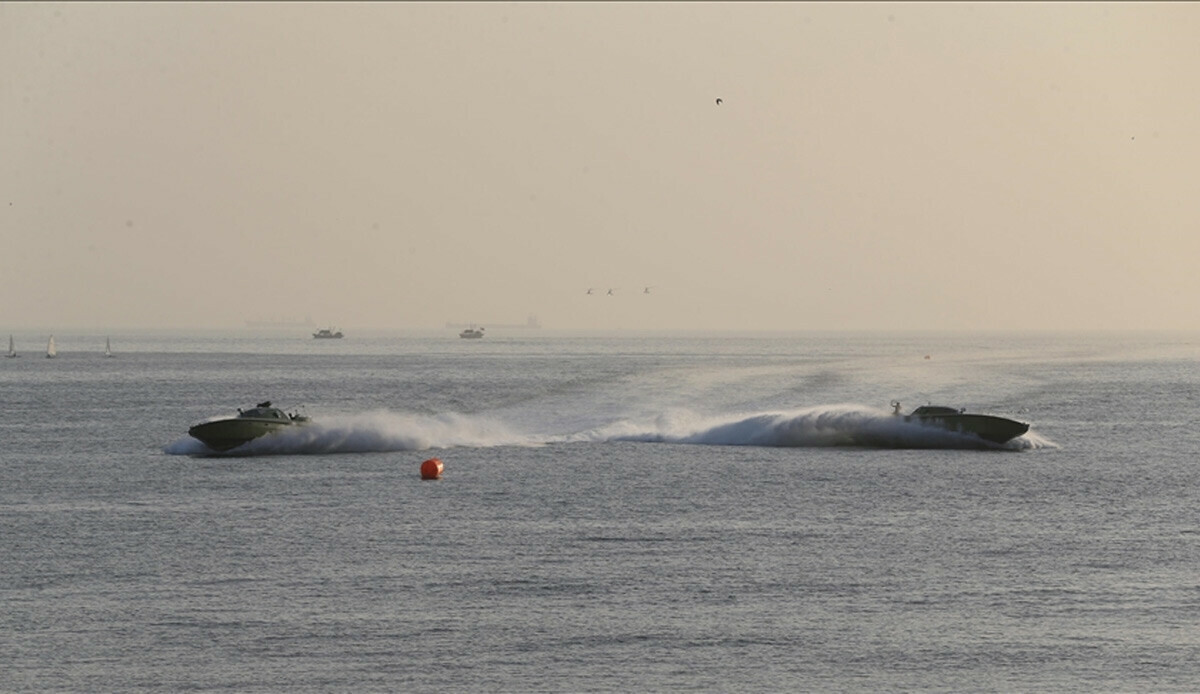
x=718, y=101
x=647, y=290
x=610, y=292
x=589, y=291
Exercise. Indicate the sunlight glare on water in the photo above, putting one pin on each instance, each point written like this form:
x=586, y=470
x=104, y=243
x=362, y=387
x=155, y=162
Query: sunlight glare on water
x=635, y=513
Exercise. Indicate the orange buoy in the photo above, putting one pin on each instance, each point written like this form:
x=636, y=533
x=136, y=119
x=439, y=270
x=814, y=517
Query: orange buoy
x=431, y=469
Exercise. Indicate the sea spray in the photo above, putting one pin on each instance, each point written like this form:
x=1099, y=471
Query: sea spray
x=377, y=431
x=812, y=427
x=816, y=427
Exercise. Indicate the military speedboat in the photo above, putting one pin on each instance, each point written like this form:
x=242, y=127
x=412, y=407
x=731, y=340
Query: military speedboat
x=230, y=432
x=985, y=426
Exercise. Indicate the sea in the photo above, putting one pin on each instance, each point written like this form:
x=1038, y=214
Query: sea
x=632, y=512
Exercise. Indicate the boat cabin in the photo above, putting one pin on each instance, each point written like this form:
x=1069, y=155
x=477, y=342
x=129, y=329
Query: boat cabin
x=264, y=410
x=263, y=413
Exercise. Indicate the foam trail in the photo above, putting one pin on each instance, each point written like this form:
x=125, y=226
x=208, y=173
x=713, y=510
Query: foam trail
x=815, y=427
x=825, y=426
x=379, y=431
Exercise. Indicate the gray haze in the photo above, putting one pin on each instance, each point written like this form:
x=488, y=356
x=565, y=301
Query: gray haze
x=871, y=166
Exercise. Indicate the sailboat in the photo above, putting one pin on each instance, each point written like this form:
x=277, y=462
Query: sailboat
x=51, y=350
x=107, y=347
x=12, y=349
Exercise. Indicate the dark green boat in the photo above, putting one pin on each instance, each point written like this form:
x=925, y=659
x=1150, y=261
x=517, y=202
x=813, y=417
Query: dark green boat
x=230, y=432
x=985, y=426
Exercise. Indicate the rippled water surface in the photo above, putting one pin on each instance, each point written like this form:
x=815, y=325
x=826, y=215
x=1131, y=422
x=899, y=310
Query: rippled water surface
x=617, y=513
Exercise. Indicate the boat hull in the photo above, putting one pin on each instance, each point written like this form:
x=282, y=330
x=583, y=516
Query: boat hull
x=226, y=434
x=986, y=427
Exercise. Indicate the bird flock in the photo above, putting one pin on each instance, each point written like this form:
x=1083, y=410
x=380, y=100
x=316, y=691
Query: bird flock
x=612, y=291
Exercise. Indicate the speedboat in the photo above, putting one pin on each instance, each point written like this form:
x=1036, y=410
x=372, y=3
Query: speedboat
x=230, y=432
x=985, y=426
x=471, y=333
x=327, y=334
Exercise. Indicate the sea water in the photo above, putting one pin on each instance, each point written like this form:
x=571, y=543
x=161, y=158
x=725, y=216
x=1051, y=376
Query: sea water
x=619, y=512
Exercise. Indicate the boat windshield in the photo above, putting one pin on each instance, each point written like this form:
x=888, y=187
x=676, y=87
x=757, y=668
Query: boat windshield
x=935, y=409
x=265, y=413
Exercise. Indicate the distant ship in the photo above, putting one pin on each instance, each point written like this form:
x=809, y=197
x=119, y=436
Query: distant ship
x=328, y=334
x=471, y=333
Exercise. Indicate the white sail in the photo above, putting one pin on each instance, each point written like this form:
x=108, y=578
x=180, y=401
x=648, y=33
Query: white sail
x=12, y=349
x=51, y=350
x=107, y=347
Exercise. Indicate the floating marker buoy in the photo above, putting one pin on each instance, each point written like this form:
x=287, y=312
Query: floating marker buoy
x=431, y=469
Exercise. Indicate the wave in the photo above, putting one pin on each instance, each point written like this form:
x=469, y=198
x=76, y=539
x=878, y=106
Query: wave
x=372, y=432
x=814, y=427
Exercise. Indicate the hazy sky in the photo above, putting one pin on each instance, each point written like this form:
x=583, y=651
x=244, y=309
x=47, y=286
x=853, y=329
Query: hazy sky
x=871, y=166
